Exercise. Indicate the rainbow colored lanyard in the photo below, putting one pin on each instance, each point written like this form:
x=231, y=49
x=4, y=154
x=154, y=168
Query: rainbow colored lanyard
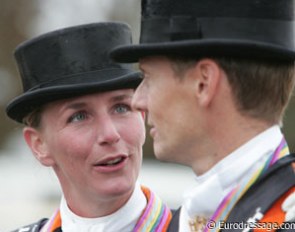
x=230, y=200
x=155, y=218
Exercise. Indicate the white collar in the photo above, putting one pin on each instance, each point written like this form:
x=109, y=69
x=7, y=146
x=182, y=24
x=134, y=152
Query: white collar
x=252, y=153
x=211, y=187
x=123, y=220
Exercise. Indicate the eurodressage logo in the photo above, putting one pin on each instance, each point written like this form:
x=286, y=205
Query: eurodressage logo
x=252, y=220
x=252, y=223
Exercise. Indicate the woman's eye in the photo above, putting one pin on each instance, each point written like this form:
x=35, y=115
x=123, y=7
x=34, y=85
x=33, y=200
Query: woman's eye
x=122, y=108
x=80, y=116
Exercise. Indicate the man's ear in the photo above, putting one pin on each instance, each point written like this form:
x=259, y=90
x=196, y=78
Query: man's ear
x=35, y=141
x=208, y=74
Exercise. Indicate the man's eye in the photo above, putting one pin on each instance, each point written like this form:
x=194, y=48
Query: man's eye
x=122, y=108
x=80, y=116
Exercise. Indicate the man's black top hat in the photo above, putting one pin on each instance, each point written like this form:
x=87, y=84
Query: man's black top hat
x=70, y=62
x=262, y=29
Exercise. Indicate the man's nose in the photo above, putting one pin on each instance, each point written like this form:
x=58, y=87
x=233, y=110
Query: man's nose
x=139, y=99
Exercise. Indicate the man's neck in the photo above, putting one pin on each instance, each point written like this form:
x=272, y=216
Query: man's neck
x=226, y=137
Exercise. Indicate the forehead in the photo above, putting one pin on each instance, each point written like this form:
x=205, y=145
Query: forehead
x=153, y=62
x=109, y=96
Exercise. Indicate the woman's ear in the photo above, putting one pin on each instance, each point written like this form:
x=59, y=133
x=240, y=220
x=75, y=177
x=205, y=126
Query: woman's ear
x=38, y=146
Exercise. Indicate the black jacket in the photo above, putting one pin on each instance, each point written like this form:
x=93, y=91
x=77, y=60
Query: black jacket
x=279, y=179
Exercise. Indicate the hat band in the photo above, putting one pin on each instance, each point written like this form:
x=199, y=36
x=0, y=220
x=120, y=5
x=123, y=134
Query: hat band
x=83, y=78
x=179, y=28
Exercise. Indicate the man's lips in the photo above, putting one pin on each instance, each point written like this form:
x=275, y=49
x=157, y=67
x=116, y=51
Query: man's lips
x=152, y=132
x=152, y=129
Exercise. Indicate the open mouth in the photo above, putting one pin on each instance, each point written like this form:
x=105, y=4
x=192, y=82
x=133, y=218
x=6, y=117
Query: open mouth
x=112, y=161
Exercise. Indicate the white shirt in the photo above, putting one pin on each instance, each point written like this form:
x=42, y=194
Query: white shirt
x=210, y=189
x=123, y=220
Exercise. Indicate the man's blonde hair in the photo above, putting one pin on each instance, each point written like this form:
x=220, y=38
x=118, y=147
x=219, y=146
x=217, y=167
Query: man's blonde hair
x=261, y=89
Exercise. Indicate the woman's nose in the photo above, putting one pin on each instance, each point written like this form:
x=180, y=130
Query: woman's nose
x=108, y=132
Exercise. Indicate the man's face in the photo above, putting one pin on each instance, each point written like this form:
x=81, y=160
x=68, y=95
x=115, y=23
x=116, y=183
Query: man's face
x=171, y=109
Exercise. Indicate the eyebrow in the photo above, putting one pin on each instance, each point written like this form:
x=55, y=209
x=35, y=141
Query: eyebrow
x=141, y=67
x=121, y=97
x=71, y=106
x=78, y=105
x=75, y=105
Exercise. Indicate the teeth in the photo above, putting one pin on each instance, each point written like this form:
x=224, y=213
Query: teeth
x=111, y=162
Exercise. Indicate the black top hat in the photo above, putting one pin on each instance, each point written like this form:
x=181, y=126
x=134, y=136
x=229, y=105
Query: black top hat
x=262, y=29
x=70, y=62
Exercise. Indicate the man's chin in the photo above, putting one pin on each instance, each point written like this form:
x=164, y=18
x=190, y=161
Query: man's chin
x=161, y=153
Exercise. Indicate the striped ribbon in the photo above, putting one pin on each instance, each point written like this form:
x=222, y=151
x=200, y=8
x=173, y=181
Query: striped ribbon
x=230, y=200
x=155, y=218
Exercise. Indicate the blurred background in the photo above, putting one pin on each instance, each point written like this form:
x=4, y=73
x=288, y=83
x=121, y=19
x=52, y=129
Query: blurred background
x=29, y=191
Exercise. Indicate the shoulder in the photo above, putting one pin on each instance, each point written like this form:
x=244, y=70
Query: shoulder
x=265, y=198
x=34, y=227
x=279, y=209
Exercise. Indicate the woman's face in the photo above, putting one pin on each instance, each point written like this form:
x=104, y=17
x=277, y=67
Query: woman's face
x=93, y=142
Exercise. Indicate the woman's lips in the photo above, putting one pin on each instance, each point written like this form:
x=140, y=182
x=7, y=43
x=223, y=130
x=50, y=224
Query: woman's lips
x=111, y=164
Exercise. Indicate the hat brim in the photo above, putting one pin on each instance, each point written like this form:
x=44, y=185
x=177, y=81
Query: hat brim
x=205, y=48
x=22, y=105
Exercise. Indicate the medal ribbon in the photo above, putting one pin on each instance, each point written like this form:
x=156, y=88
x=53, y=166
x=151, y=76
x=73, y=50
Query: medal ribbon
x=155, y=218
x=233, y=196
